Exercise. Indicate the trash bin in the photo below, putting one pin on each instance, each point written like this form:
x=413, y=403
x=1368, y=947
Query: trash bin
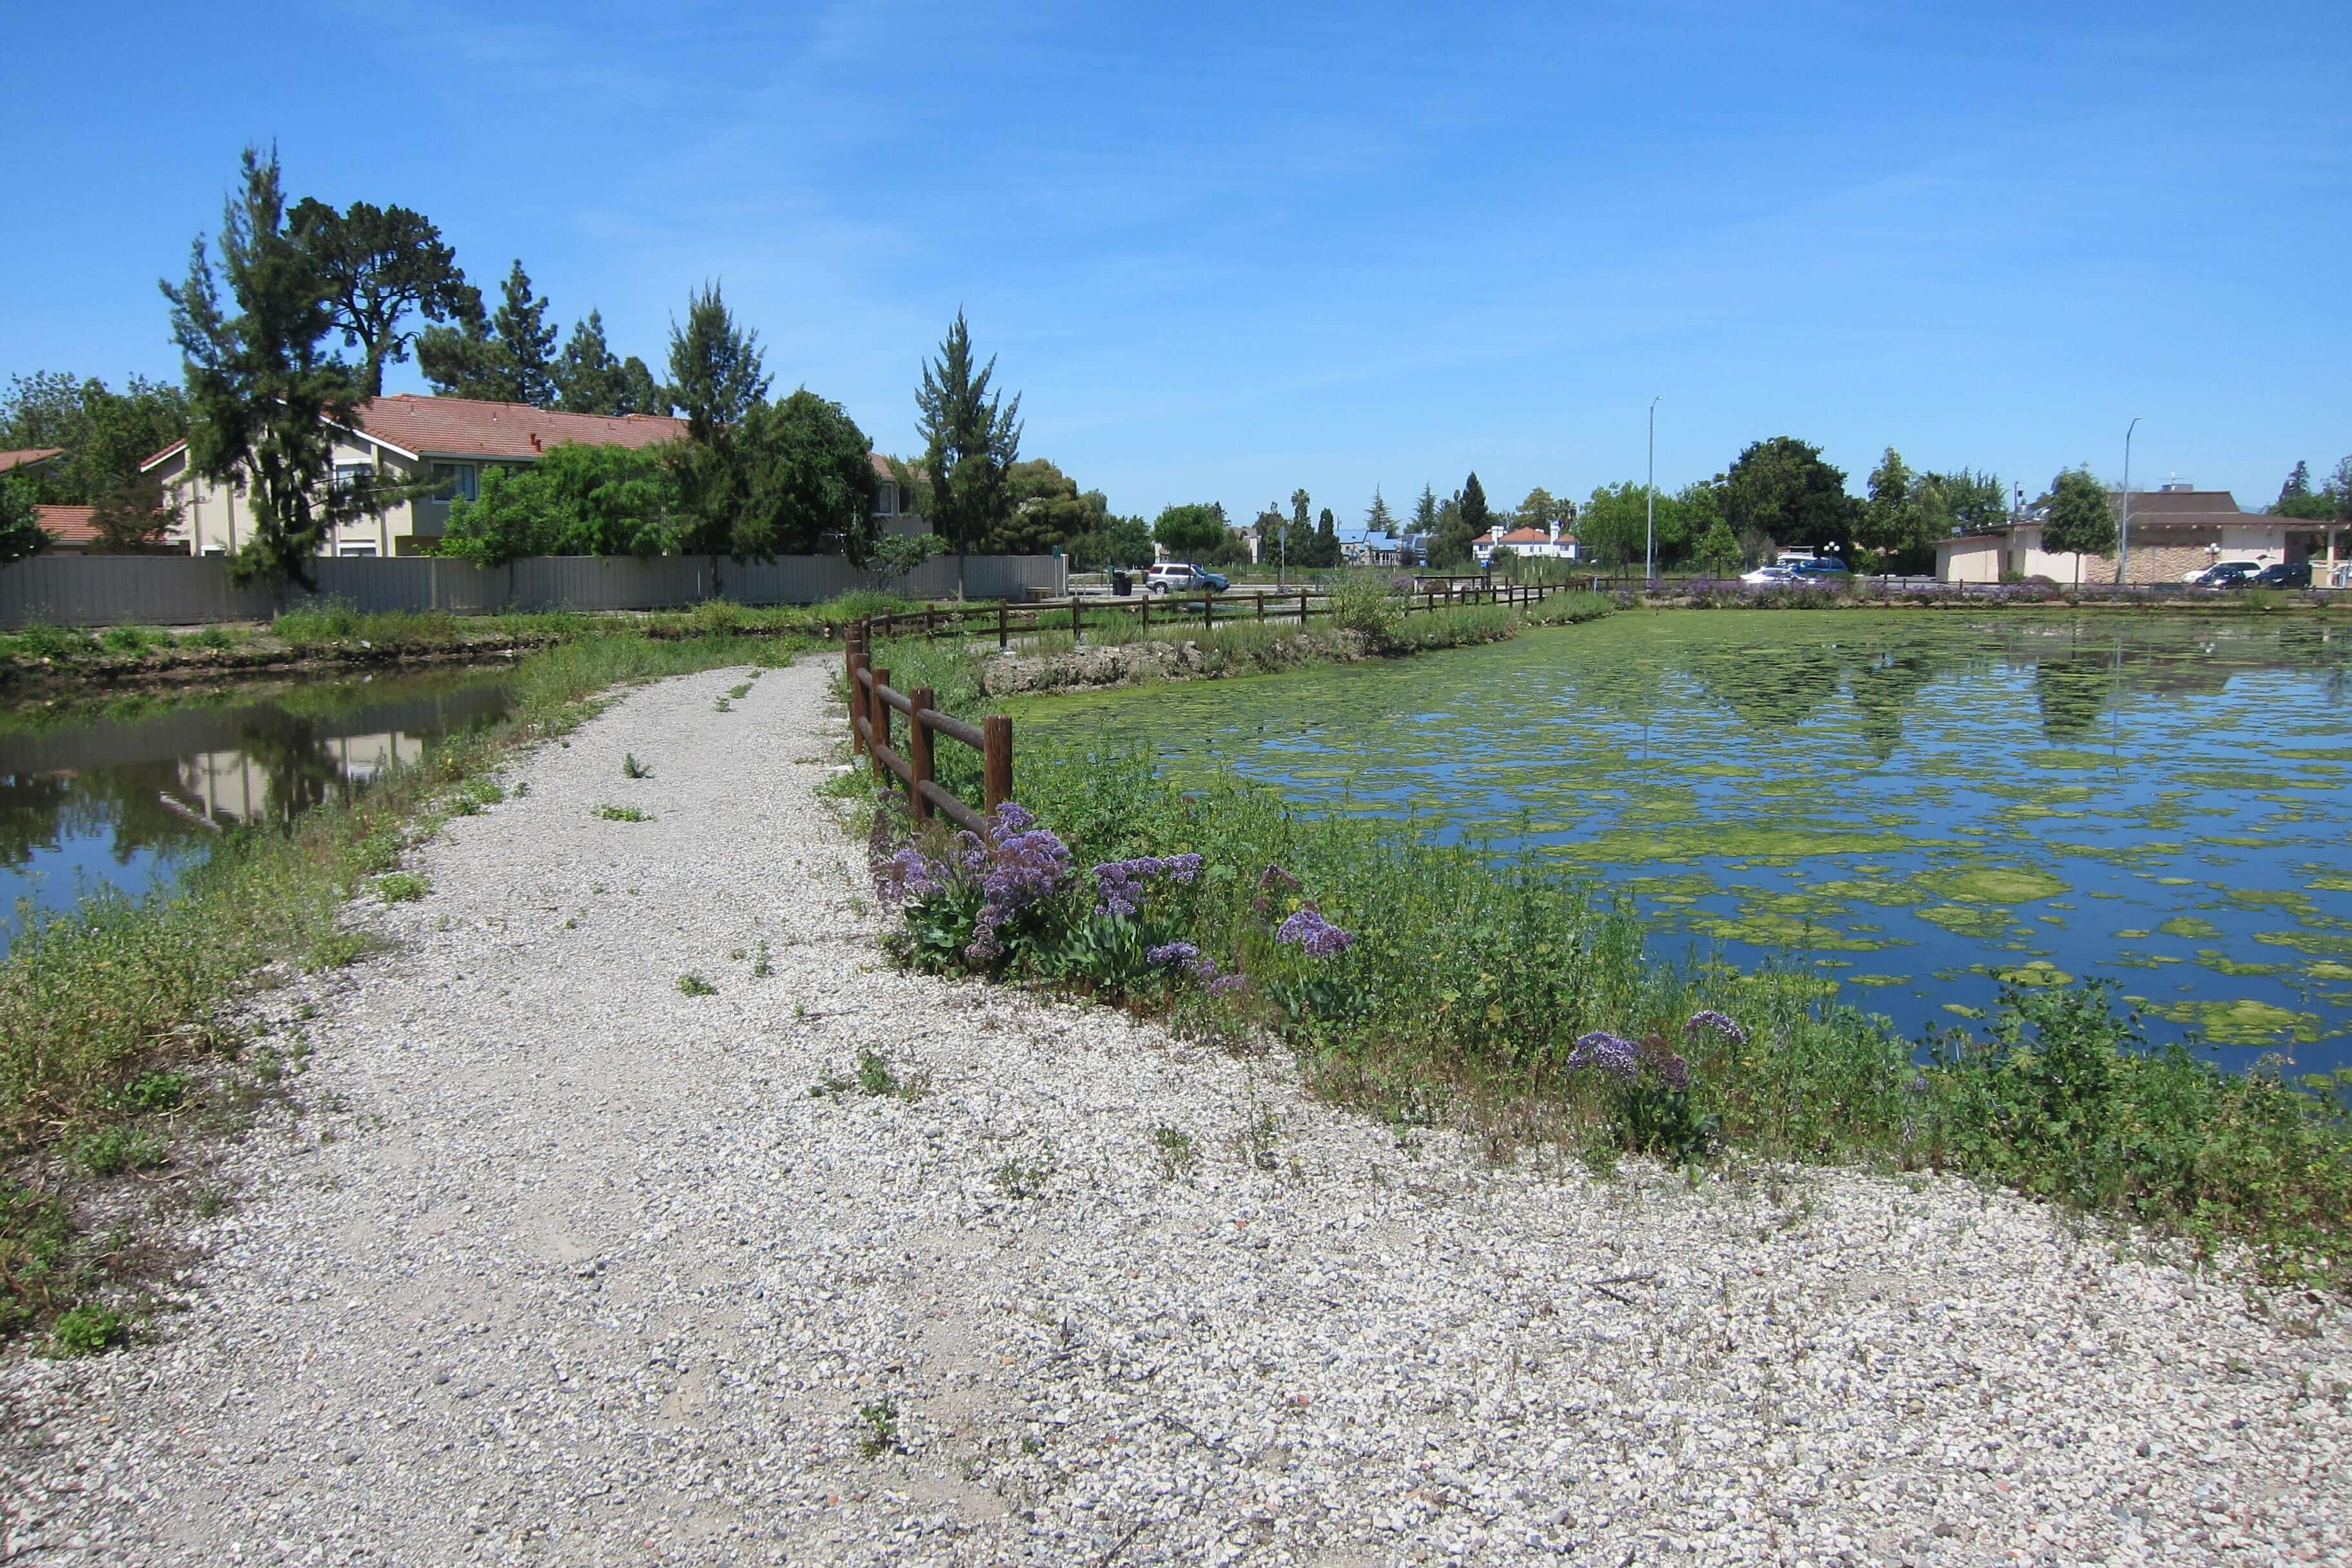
x=1122, y=583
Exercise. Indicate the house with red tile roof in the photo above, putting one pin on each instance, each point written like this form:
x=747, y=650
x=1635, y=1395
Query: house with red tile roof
x=69, y=528
x=403, y=439
x=1528, y=543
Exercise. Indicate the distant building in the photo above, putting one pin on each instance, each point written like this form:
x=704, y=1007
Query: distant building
x=2176, y=533
x=454, y=440
x=25, y=461
x=1528, y=543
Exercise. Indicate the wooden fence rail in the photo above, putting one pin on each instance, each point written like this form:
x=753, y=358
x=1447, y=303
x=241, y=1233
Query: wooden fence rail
x=872, y=700
x=1206, y=611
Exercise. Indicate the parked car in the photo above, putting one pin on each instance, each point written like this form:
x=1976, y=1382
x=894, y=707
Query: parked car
x=1766, y=576
x=1183, y=577
x=2282, y=574
x=1819, y=567
x=2228, y=574
x=2203, y=576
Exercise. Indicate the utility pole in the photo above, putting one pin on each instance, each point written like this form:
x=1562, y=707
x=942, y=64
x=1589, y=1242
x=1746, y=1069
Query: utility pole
x=2123, y=546
x=1650, y=502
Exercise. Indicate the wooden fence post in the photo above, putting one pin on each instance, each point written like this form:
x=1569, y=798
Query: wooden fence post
x=1261, y=607
x=879, y=716
x=918, y=751
x=1143, y=608
x=1077, y=627
x=1004, y=638
x=1208, y=610
x=996, y=760
x=1302, y=609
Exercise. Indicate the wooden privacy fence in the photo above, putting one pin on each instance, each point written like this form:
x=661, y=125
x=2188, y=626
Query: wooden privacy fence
x=871, y=704
x=1207, y=611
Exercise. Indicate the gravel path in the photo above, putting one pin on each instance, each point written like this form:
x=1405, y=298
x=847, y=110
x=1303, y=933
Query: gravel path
x=560, y=1265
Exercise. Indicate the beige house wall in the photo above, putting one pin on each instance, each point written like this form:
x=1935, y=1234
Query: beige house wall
x=1969, y=561
x=2158, y=554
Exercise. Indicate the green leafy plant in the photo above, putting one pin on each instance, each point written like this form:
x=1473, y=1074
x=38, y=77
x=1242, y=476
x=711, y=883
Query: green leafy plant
x=400, y=888
x=84, y=1330
x=880, y=1420
x=623, y=814
x=693, y=984
x=1177, y=1154
x=112, y=1150
x=632, y=769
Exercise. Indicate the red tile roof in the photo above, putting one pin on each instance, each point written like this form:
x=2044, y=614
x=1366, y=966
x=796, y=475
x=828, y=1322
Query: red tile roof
x=68, y=524
x=24, y=456
x=462, y=427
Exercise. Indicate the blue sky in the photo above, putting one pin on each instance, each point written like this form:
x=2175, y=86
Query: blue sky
x=1228, y=250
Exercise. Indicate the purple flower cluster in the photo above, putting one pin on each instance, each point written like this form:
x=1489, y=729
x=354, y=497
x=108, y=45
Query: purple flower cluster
x=1226, y=984
x=1605, y=1052
x=1672, y=1070
x=1722, y=1024
x=1315, y=937
x=909, y=877
x=1168, y=953
x=1019, y=865
x=1119, y=884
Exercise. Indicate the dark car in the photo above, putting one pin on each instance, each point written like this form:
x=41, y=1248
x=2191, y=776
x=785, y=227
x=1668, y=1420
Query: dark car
x=2282, y=574
x=1820, y=567
x=2230, y=574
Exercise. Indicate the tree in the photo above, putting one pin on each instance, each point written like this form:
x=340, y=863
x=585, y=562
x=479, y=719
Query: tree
x=1698, y=510
x=21, y=534
x=132, y=514
x=1961, y=502
x=716, y=379
x=2080, y=521
x=970, y=438
x=2298, y=486
x=505, y=358
x=2297, y=499
x=1783, y=489
x=1193, y=531
x=1718, y=548
x=1424, y=513
x=260, y=388
x=810, y=477
x=1461, y=524
x=1889, y=523
x=1612, y=529
x=1539, y=509
x=1126, y=542
x=381, y=264
x=106, y=434
x=576, y=499
x=1378, y=518
x=590, y=380
x=1327, y=540
x=1048, y=509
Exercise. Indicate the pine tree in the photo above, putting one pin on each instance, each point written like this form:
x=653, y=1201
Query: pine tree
x=716, y=378
x=1327, y=540
x=970, y=438
x=1425, y=514
x=526, y=341
x=262, y=390
x=381, y=264
x=588, y=379
x=1378, y=519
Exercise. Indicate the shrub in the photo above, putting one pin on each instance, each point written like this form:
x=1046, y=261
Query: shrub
x=85, y=1329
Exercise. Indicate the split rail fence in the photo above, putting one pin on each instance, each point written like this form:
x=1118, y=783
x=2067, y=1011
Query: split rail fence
x=1206, y=611
x=872, y=700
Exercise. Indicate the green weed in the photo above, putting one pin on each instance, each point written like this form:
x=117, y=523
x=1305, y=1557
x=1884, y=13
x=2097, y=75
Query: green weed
x=85, y=1329
x=623, y=814
x=632, y=769
x=1177, y=1154
x=111, y=1150
x=881, y=1421
x=693, y=984
x=400, y=888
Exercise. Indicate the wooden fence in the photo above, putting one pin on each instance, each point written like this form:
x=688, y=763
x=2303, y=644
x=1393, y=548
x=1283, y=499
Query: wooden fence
x=872, y=702
x=1207, y=611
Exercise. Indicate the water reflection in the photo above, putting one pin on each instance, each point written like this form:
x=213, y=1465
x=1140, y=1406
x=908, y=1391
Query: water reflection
x=121, y=796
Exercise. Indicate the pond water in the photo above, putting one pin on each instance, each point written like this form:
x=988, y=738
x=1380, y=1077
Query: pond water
x=124, y=794
x=1918, y=804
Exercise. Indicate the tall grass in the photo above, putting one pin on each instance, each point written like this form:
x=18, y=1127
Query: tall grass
x=1471, y=983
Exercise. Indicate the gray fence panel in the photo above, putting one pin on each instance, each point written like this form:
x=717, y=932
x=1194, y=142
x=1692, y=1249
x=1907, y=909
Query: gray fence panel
x=172, y=590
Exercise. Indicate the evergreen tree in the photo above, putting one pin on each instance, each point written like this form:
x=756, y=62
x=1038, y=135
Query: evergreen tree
x=970, y=438
x=261, y=389
x=1889, y=525
x=1462, y=522
x=811, y=479
x=642, y=393
x=508, y=357
x=1424, y=513
x=2079, y=521
x=1539, y=509
x=527, y=339
x=589, y=380
x=716, y=377
x=381, y=264
x=2298, y=486
x=1378, y=518
x=1327, y=540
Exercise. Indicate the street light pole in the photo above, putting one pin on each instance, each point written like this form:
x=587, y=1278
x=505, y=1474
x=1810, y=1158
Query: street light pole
x=2123, y=546
x=1650, y=502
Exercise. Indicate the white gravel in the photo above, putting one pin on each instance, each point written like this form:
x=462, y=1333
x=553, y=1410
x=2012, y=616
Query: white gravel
x=561, y=1266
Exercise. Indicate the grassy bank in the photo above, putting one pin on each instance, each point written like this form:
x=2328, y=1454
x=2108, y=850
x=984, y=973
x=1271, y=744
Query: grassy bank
x=338, y=632
x=113, y=1018
x=1424, y=983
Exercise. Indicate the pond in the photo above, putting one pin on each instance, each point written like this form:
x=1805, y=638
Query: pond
x=124, y=794
x=1921, y=804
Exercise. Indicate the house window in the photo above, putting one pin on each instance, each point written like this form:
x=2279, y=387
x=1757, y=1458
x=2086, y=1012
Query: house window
x=456, y=482
x=354, y=476
x=885, y=498
x=353, y=550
